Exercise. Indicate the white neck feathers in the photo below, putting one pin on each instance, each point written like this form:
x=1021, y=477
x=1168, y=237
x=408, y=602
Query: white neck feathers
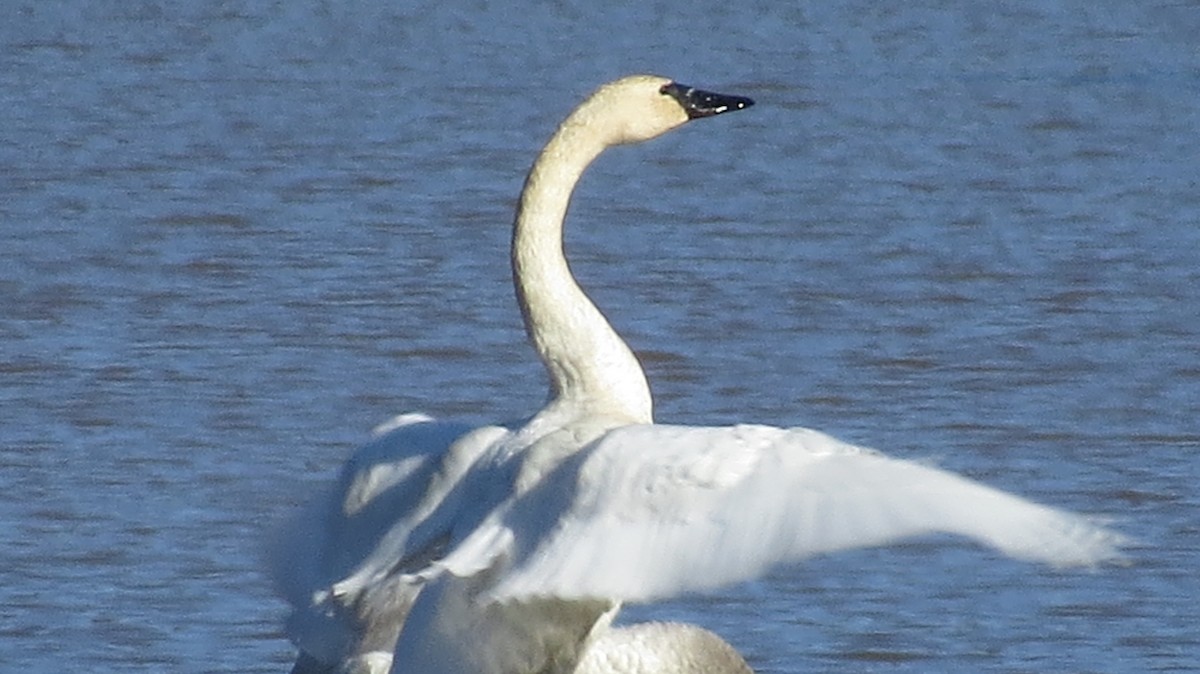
x=591, y=368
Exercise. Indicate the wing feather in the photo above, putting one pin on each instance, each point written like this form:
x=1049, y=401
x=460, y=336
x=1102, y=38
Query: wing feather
x=651, y=511
x=341, y=545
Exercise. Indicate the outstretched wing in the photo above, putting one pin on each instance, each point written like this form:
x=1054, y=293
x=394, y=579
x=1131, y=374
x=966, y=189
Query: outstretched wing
x=651, y=511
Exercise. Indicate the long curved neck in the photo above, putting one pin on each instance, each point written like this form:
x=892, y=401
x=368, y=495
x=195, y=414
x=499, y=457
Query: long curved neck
x=591, y=368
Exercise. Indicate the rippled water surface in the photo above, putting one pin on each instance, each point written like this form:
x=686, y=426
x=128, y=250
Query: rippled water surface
x=236, y=235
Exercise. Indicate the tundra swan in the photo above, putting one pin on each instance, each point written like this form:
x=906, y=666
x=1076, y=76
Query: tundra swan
x=346, y=562
x=509, y=549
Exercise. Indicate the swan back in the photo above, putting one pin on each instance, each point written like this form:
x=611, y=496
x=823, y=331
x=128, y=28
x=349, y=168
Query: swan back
x=660, y=648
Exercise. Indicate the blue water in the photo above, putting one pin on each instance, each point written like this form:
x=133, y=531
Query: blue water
x=236, y=235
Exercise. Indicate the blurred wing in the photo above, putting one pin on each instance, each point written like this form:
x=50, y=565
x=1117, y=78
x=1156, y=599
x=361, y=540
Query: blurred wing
x=383, y=492
x=651, y=511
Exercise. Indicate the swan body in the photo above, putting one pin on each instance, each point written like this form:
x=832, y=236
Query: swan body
x=508, y=549
x=659, y=648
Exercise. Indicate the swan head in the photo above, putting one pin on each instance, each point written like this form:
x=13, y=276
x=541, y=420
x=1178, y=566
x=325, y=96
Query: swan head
x=640, y=107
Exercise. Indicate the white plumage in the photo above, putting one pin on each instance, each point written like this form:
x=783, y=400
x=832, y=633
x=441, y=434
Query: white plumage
x=509, y=549
x=649, y=512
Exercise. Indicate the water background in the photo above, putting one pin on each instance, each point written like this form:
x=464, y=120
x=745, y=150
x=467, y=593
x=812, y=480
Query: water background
x=234, y=236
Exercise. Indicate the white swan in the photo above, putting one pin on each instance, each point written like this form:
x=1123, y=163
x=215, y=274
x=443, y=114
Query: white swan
x=514, y=547
x=343, y=562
